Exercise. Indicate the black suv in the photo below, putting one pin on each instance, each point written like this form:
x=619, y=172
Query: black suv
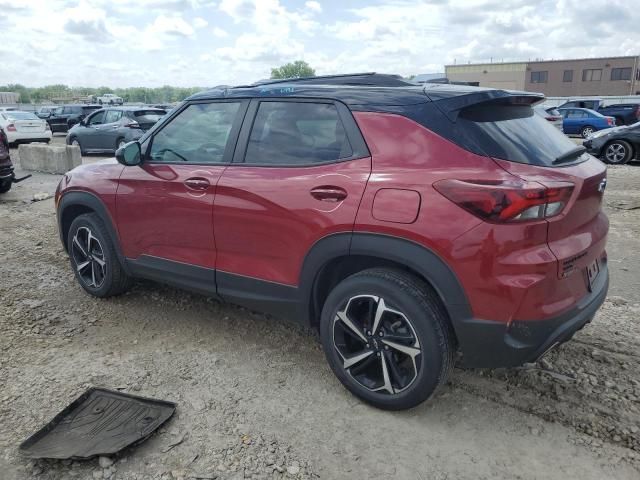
x=65, y=117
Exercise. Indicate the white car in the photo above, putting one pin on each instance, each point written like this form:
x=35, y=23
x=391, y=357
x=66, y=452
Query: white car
x=24, y=127
x=109, y=99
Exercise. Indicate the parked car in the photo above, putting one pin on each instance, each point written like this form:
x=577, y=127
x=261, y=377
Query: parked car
x=624, y=113
x=404, y=222
x=24, y=127
x=616, y=145
x=111, y=128
x=551, y=115
x=45, y=112
x=584, y=121
x=7, y=175
x=65, y=117
x=108, y=99
x=590, y=103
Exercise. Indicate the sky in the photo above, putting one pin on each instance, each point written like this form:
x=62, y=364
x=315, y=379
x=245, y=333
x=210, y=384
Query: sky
x=124, y=43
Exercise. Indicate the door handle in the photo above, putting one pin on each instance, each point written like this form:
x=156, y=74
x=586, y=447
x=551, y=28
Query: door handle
x=197, y=183
x=328, y=193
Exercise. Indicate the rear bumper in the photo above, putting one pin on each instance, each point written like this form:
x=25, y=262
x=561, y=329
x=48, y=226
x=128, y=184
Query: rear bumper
x=490, y=344
x=13, y=137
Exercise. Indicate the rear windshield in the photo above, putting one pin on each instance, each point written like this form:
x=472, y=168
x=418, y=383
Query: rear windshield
x=22, y=116
x=90, y=109
x=515, y=133
x=148, y=116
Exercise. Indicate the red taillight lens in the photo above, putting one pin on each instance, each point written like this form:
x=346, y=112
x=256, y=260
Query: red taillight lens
x=512, y=201
x=610, y=121
x=638, y=112
x=11, y=127
x=133, y=125
x=553, y=119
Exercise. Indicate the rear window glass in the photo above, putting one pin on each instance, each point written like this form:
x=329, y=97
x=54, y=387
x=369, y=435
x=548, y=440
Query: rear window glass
x=515, y=133
x=22, y=116
x=148, y=116
x=89, y=109
x=297, y=134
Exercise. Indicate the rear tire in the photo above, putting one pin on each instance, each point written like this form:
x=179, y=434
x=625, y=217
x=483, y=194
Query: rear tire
x=5, y=186
x=387, y=338
x=618, y=152
x=586, y=131
x=120, y=143
x=94, y=259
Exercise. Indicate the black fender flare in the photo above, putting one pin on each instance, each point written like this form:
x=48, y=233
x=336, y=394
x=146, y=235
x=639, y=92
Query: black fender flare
x=92, y=202
x=415, y=256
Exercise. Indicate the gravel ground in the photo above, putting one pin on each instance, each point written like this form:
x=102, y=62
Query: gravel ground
x=256, y=398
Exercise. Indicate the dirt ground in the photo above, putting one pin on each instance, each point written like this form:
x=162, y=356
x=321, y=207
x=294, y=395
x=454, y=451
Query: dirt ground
x=256, y=398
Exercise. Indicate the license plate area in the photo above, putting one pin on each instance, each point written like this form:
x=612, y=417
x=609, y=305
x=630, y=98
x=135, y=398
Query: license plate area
x=592, y=271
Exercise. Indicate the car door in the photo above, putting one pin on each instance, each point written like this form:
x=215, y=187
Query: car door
x=572, y=121
x=89, y=132
x=165, y=206
x=107, y=133
x=298, y=175
x=58, y=121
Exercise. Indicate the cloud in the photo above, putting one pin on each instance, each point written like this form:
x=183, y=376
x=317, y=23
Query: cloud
x=173, y=25
x=313, y=6
x=219, y=32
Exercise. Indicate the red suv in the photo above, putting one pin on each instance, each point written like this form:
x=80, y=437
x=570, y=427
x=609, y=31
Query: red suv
x=406, y=223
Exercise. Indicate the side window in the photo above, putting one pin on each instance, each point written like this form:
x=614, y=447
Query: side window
x=292, y=133
x=112, y=116
x=96, y=118
x=198, y=134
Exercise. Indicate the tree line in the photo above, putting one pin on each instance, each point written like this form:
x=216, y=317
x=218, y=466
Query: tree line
x=59, y=93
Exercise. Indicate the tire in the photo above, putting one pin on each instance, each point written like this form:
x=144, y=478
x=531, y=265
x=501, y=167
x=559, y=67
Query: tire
x=5, y=186
x=90, y=244
x=75, y=141
x=618, y=152
x=99, y=102
x=586, y=131
x=119, y=143
x=410, y=310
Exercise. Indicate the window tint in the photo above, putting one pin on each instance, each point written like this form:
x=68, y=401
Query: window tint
x=513, y=132
x=539, y=77
x=576, y=114
x=290, y=133
x=621, y=73
x=112, y=116
x=22, y=116
x=147, y=116
x=198, y=134
x=593, y=75
x=96, y=119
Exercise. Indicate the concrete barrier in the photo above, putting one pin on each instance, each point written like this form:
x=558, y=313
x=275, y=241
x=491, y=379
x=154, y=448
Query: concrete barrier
x=48, y=158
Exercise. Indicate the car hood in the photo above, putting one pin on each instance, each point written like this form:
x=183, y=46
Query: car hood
x=608, y=131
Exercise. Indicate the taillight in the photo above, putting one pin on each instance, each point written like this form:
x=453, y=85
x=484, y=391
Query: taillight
x=133, y=125
x=513, y=201
x=610, y=121
x=11, y=127
x=553, y=119
x=47, y=126
x=638, y=112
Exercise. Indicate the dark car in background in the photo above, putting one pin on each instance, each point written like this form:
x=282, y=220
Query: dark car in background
x=584, y=121
x=616, y=145
x=111, y=128
x=46, y=111
x=624, y=113
x=66, y=116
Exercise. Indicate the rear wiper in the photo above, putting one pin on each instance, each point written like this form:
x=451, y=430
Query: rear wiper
x=570, y=155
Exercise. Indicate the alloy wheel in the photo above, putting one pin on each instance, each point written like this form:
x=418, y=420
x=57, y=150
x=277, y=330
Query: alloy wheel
x=377, y=343
x=88, y=258
x=615, y=153
x=587, y=131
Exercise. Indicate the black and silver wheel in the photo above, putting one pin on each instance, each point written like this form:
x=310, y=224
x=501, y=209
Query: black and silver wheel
x=93, y=257
x=618, y=152
x=386, y=337
x=587, y=131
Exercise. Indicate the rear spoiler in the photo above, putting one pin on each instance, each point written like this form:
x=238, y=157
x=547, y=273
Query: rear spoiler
x=451, y=104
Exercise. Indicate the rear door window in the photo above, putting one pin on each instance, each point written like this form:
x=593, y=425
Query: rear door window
x=112, y=116
x=513, y=132
x=297, y=133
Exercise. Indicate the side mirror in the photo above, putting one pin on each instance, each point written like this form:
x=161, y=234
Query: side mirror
x=130, y=155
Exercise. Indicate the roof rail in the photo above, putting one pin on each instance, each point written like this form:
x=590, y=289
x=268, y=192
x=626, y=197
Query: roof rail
x=371, y=79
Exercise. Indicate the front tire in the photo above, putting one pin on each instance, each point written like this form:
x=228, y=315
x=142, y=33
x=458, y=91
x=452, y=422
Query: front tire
x=618, y=152
x=75, y=142
x=5, y=186
x=93, y=258
x=387, y=338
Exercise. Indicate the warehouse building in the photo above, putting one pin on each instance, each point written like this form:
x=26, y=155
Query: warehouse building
x=608, y=76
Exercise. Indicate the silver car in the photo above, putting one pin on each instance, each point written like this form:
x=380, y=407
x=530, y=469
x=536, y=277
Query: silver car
x=108, y=129
x=551, y=115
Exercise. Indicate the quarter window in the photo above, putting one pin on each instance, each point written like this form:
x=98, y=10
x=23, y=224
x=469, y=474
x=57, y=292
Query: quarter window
x=296, y=133
x=621, y=73
x=592, y=75
x=198, y=134
x=539, y=77
x=567, y=76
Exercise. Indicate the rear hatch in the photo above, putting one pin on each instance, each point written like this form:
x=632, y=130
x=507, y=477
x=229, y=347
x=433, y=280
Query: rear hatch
x=529, y=147
x=26, y=122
